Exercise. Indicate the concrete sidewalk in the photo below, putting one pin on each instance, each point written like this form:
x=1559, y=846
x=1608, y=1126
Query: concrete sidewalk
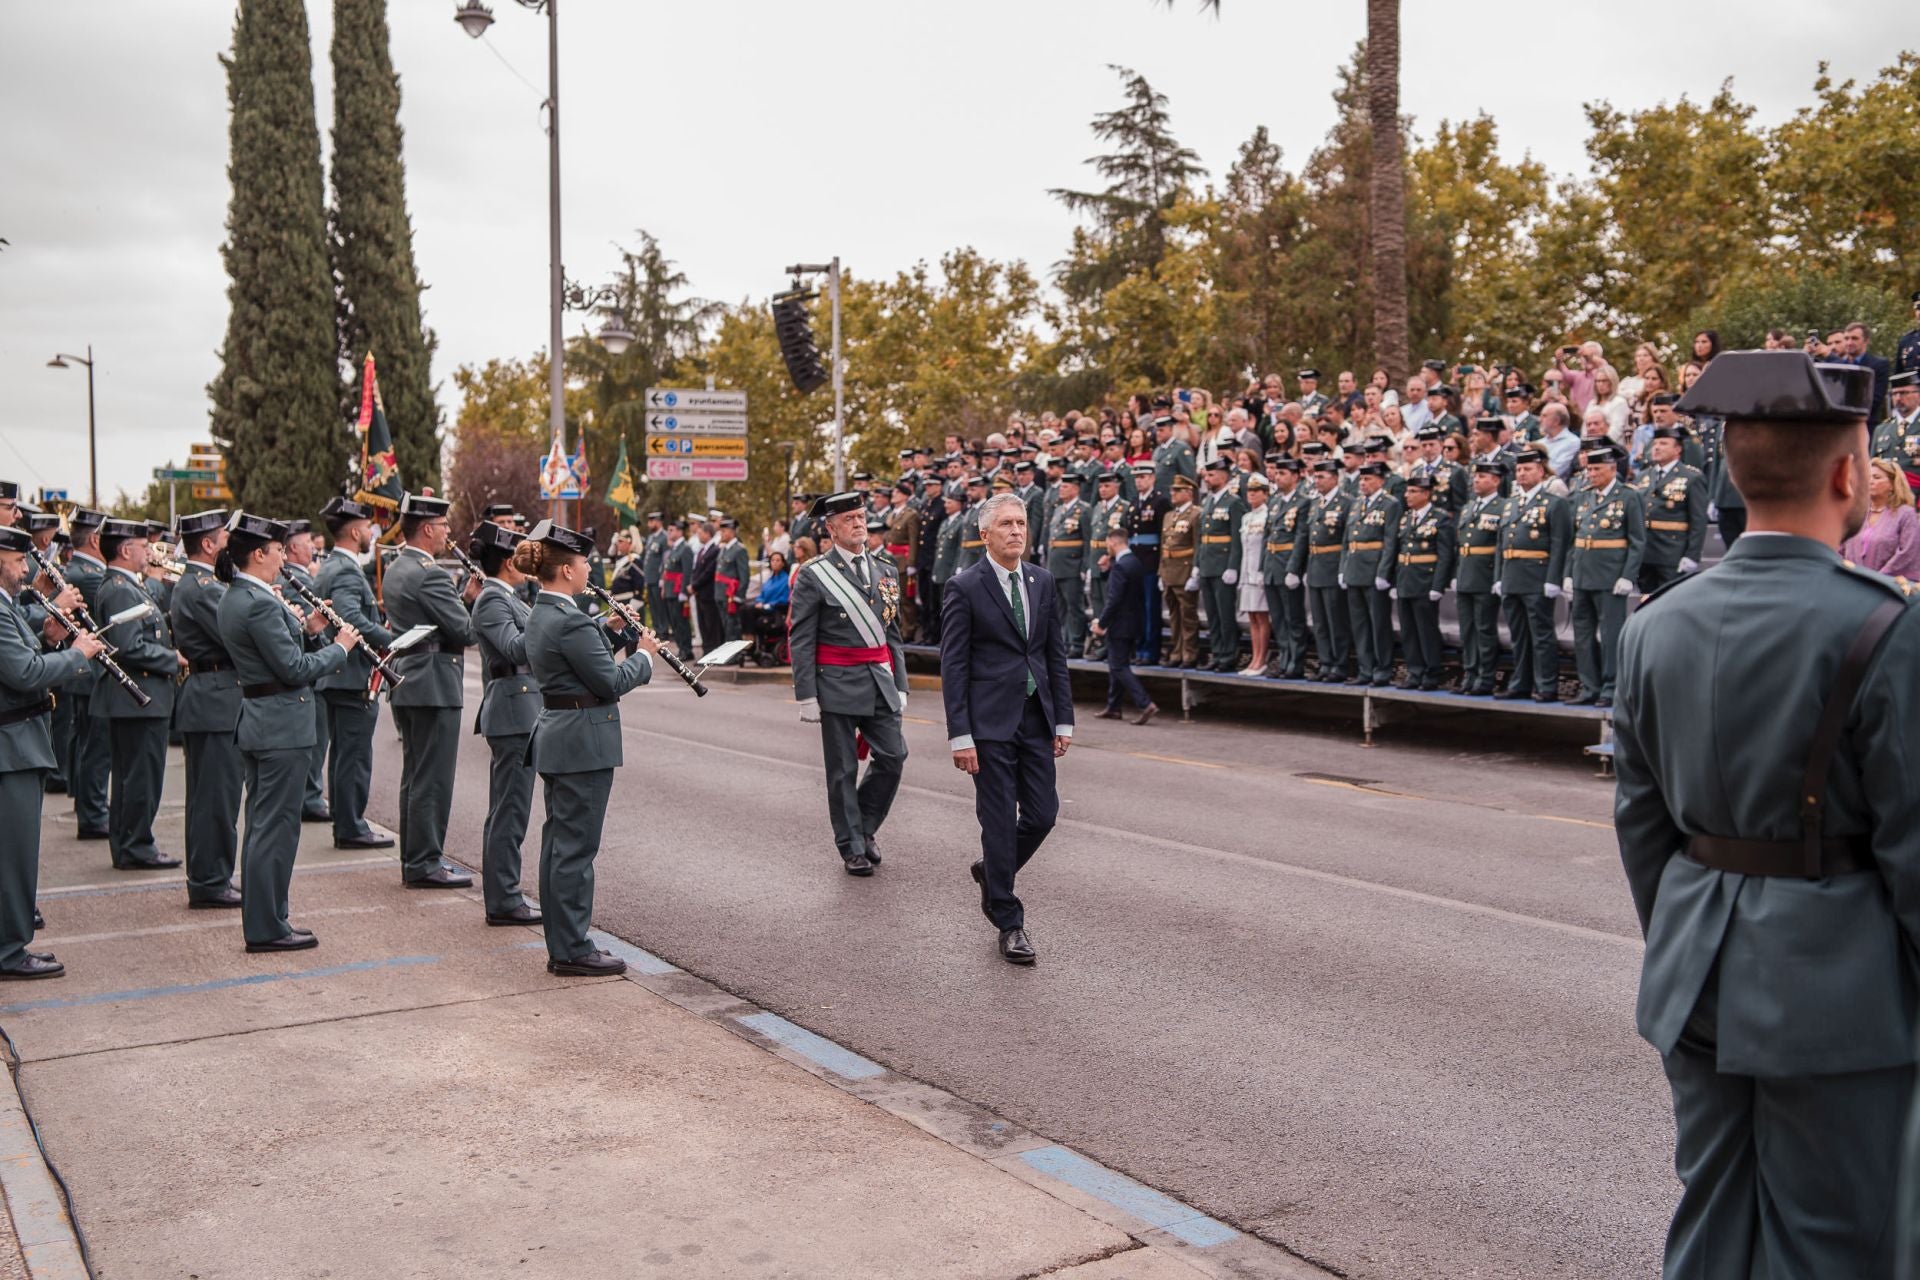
x=418, y=1097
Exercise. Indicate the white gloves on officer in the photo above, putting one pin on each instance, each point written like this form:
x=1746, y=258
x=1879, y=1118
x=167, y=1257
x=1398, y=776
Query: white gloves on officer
x=1689, y=565
x=1193, y=582
x=903, y=702
x=1566, y=586
x=1381, y=584
x=1499, y=589
x=1293, y=582
x=1554, y=591
x=1713, y=512
x=810, y=711
x=1393, y=593
x=1623, y=586
x=1231, y=577
x=1343, y=580
x=1434, y=596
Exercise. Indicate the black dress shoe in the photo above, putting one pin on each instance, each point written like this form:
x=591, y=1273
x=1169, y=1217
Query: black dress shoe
x=1430, y=686
x=1584, y=700
x=43, y=955
x=315, y=815
x=1382, y=682
x=298, y=932
x=858, y=865
x=228, y=897
x=149, y=864
x=1111, y=713
x=1354, y=680
x=979, y=873
x=595, y=964
x=39, y=921
x=1014, y=947
x=442, y=877
x=1546, y=697
x=32, y=966
x=522, y=914
x=295, y=941
x=371, y=840
x=873, y=852
x=93, y=833
x=1147, y=713
x=56, y=786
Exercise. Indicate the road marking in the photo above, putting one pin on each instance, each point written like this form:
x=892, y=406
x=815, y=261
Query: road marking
x=816, y=1049
x=1197, y=764
x=915, y=720
x=1578, y=822
x=174, y=882
x=231, y=921
x=1152, y=1207
x=1367, y=788
x=219, y=984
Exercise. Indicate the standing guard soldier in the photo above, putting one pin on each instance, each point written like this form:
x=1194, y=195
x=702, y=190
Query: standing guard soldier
x=1609, y=539
x=352, y=715
x=946, y=557
x=44, y=527
x=1376, y=449
x=1028, y=489
x=1286, y=605
x=1372, y=548
x=731, y=573
x=1150, y=507
x=509, y=709
x=1536, y=531
x=313, y=807
x=1316, y=565
x=1179, y=539
x=1110, y=512
x=1675, y=498
x=903, y=544
x=137, y=735
x=932, y=507
x=1171, y=457
x=1767, y=816
x=1216, y=564
x=426, y=705
x=1897, y=438
x=1067, y=560
x=206, y=711
x=653, y=554
x=675, y=568
x=972, y=545
x=850, y=676
x=90, y=760
x=1424, y=567
x=1477, y=536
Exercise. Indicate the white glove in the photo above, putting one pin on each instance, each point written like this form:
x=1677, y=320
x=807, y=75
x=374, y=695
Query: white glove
x=1713, y=512
x=1343, y=580
x=1623, y=586
x=1689, y=565
x=1393, y=593
x=1566, y=585
x=1381, y=584
x=1434, y=596
x=1193, y=582
x=1231, y=577
x=903, y=702
x=810, y=711
x=1553, y=591
x=1293, y=582
x=1499, y=589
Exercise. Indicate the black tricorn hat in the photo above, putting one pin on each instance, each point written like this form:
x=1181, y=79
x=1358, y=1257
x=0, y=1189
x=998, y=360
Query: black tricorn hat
x=493, y=509
x=1494, y=466
x=1780, y=386
x=201, y=522
x=488, y=536
x=876, y=525
x=1218, y=464
x=415, y=504
x=83, y=518
x=252, y=526
x=1531, y=454
x=343, y=509
x=1420, y=480
x=1373, y=468
x=121, y=530
x=837, y=504
x=15, y=538
x=9, y=489
x=1326, y=466
x=558, y=535
x=41, y=521
x=1284, y=463
x=298, y=527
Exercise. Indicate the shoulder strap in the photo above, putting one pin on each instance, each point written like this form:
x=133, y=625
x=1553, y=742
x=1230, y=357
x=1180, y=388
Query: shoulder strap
x=1833, y=717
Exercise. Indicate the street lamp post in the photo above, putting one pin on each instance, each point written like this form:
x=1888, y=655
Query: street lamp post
x=59, y=361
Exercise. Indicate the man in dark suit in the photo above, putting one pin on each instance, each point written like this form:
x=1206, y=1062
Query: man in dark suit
x=1120, y=623
x=1009, y=700
x=700, y=586
x=1857, y=353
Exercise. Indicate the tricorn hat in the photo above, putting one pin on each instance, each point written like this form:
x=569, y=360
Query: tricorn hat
x=1780, y=386
x=558, y=535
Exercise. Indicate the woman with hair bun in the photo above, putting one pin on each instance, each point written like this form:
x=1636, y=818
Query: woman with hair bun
x=509, y=706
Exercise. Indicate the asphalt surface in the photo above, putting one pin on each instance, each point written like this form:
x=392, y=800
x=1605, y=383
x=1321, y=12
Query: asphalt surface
x=1374, y=1005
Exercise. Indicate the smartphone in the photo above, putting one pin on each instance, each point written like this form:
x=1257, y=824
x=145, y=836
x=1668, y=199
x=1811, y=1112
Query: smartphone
x=1184, y=396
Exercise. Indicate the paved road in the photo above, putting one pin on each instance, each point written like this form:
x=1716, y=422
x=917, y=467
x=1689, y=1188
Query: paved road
x=1375, y=1005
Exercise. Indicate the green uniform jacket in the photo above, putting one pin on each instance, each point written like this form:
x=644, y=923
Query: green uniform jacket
x=1721, y=490
x=86, y=574
x=1425, y=562
x=1174, y=458
x=1285, y=511
x=1722, y=678
x=510, y=703
x=1897, y=440
x=1526, y=427
x=26, y=677
x=1316, y=557
x=145, y=652
x=268, y=646
x=675, y=570
x=419, y=591
x=1107, y=516
x=1220, y=517
x=1067, y=540
x=1477, y=540
x=946, y=548
x=209, y=701
x=1609, y=537
x=1035, y=497
x=1452, y=485
x=571, y=655
x=1373, y=539
x=342, y=581
x=654, y=554
x=972, y=545
x=1676, y=510
x=829, y=608
x=731, y=570
x=1536, y=533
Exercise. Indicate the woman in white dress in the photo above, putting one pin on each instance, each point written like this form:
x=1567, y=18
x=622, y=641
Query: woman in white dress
x=1253, y=578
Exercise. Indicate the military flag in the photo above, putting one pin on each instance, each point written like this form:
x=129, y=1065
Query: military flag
x=379, y=472
x=621, y=495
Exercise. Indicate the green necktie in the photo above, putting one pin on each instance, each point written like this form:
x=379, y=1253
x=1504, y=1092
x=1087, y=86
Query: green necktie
x=1020, y=622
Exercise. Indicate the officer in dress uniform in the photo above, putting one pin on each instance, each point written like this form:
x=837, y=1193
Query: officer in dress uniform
x=1286, y=604
x=972, y=545
x=1902, y=423
x=1423, y=568
x=1609, y=540
x=275, y=669
x=653, y=554
x=1377, y=449
x=1179, y=540
x=351, y=714
x=1110, y=512
x=1150, y=507
x=850, y=676
x=137, y=735
x=90, y=757
x=509, y=708
x=1477, y=536
x=427, y=704
x=576, y=742
x=1767, y=821
x=1216, y=564
x=1371, y=551
x=1316, y=566
x=675, y=568
x=28, y=676
x=731, y=572
x=206, y=711
x=1312, y=399
x=1520, y=417
x=946, y=556
x=299, y=568
x=1536, y=532
x=1675, y=497
x=1171, y=457
x=903, y=544
x=1067, y=560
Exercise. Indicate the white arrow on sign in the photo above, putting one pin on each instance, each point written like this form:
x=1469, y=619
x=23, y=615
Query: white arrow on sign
x=686, y=398
x=698, y=423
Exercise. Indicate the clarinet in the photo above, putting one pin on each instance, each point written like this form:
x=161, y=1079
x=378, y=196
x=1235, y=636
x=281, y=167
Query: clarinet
x=678, y=667
x=105, y=657
x=382, y=661
x=466, y=561
x=51, y=572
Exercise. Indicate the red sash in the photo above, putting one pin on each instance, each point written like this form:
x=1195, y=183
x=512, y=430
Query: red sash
x=733, y=591
x=839, y=655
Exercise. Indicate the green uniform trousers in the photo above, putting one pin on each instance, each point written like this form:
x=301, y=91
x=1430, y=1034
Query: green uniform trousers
x=1330, y=639
x=1598, y=617
x=62, y=728
x=1072, y=599
x=429, y=749
x=1287, y=612
x=1370, y=615
x=1479, y=639
x=569, y=842
x=216, y=772
x=1096, y=605
x=351, y=720
x=1420, y=639
x=21, y=792
x=857, y=806
x=1536, y=649
x=509, y=805
x=315, y=798
x=1223, y=627
x=89, y=763
x=275, y=781
x=138, y=754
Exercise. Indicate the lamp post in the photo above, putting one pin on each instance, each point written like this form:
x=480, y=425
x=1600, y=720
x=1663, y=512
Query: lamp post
x=59, y=361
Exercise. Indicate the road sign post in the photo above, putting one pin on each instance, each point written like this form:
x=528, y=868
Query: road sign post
x=696, y=435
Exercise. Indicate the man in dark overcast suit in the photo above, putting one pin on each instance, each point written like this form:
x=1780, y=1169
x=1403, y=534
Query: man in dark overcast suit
x=1009, y=700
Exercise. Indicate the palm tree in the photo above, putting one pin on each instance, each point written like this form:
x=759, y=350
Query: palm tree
x=1388, y=195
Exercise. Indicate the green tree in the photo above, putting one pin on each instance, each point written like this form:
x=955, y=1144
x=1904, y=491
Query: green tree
x=1845, y=173
x=276, y=400
x=1802, y=301
x=500, y=436
x=372, y=240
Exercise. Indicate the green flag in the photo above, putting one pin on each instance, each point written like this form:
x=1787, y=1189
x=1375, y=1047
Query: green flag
x=621, y=495
x=379, y=473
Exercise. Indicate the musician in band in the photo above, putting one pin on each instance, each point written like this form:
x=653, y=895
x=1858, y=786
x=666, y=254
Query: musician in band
x=266, y=639
x=509, y=707
x=351, y=715
x=89, y=752
x=136, y=731
x=850, y=674
x=206, y=711
x=44, y=527
x=576, y=742
x=299, y=568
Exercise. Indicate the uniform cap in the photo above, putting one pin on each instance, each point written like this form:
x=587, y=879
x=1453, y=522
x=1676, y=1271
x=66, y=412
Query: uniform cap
x=905, y=486
x=1327, y=466
x=1258, y=481
x=415, y=504
x=1070, y=477
x=655, y=515
x=1377, y=444
x=494, y=510
x=1023, y=465
x=1911, y=378
x=976, y=481
x=124, y=529
x=41, y=521
x=1530, y=454
x=1420, y=480
x=1109, y=476
x=298, y=526
x=1312, y=448
x=9, y=489
x=253, y=526
x=1491, y=425
x=1435, y=365
x=1598, y=455
x=1284, y=463
x=876, y=525
x=15, y=538
x=1672, y=431
x=1182, y=481
x=1439, y=389
x=1780, y=386
x=1373, y=468
x=1308, y=373
x=558, y=535
x=1491, y=466
x=82, y=518
x=158, y=530
x=835, y=504
x=1666, y=397
x=1164, y=420
x=342, y=509
x=491, y=536
x=1428, y=432
x=1218, y=464
x=1520, y=392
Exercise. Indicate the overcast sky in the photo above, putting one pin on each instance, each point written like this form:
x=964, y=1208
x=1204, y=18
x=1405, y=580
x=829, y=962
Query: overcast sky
x=745, y=134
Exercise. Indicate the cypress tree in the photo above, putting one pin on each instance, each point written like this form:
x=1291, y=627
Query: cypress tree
x=276, y=401
x=372, y=239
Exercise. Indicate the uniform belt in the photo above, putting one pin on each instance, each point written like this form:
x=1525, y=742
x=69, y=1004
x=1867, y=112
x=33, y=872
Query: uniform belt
x=841, y=655
x=19, y=714
x=1144, y=540
x=1839, y=855
x=1669, y=526
x=506, y=670
x=1217, y=537
x=973, y=544
x=1079, y=543
x=1276, y=547
x=195, y=667
x=1326, y=551
x=1420, y=559
x=1527, y=555
x=1364, y=546
x=267, y=690
x=573, y=701
x=1478, y=551
x=1601, y=544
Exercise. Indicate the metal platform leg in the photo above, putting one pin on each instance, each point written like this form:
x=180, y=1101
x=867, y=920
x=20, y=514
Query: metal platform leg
x=1186, y=700
x=1366, y=719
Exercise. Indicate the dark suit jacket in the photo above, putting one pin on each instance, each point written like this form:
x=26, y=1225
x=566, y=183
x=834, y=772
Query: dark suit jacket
x=1882, y=371
x=700, y=581
x=1125, y=614
x=984, y=658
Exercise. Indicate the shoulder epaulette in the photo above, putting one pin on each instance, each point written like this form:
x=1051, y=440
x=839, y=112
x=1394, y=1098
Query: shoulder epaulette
x=1665, y=587
x=1893, y=585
